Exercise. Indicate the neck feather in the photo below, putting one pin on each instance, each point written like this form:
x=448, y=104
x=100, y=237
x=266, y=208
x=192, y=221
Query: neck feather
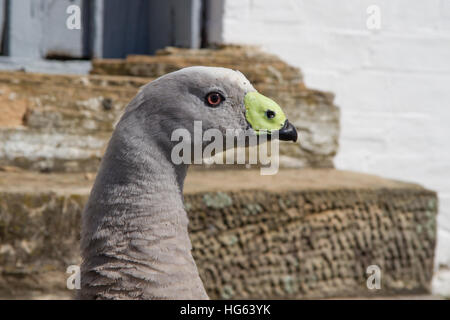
x=135, y=241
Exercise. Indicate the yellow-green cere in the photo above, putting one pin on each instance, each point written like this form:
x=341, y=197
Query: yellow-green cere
x=262, y=113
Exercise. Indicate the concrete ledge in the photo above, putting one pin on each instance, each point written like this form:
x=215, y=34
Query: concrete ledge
x=45, y=66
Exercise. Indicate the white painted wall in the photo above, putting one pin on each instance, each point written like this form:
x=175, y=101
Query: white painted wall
x=393, y=84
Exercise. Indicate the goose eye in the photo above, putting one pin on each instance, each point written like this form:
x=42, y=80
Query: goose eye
x=214, y=99
x=270, y=114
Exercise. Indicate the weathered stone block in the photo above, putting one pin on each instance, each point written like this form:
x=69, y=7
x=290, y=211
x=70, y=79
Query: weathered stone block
x=62, y=123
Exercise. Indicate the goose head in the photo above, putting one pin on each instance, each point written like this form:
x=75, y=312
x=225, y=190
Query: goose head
x=221, y=99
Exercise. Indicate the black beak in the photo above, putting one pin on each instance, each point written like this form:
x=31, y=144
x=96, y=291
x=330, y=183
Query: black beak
x=288, y=132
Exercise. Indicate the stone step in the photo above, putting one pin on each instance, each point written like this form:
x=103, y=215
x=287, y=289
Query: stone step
x=260, y=67
x=308, y=233
x=59, y=122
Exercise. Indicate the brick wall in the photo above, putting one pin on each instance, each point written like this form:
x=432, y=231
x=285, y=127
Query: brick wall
x=392, y=84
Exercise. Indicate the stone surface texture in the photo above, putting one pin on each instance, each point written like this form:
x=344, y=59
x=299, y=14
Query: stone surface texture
x=61, y=123
x=299, y=234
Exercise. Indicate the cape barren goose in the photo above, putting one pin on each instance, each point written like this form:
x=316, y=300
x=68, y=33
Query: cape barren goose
x=134, y=241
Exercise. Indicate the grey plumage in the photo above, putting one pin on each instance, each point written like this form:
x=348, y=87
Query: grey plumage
x=135, y=242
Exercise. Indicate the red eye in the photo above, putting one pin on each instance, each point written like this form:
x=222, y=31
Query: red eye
x=214, y=99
